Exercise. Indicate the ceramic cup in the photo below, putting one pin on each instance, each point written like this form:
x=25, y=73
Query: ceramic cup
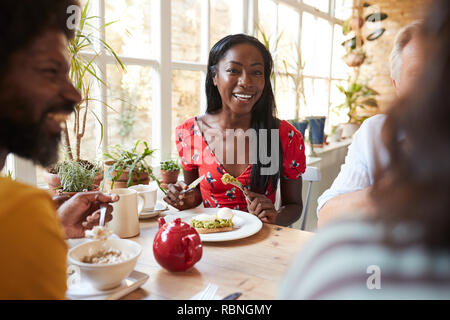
x=148, y=193
x=125, y=221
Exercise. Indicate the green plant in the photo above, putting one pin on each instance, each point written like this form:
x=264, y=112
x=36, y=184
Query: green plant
x=357, y=95
x=130, y=160
x=84, y=73
x=76, y=176
x=170, y=165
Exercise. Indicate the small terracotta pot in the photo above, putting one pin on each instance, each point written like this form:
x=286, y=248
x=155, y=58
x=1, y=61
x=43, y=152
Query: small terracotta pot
x=123, y=178
x=71, y=194
x=168, y=177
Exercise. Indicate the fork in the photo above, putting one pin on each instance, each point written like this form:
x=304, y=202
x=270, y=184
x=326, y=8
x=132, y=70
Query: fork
x=209, y=292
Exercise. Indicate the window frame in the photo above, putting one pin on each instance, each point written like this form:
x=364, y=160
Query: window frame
x=162, y=67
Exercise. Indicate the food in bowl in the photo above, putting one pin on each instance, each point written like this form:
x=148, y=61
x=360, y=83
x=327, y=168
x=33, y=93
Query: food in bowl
x=106, y=256
x=221, y=222
x=108, y=275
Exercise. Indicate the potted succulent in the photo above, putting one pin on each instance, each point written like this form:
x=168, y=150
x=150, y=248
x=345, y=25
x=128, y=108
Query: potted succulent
x=83, y=73
x=77, y=176
x=170, y=170
x=127, y=167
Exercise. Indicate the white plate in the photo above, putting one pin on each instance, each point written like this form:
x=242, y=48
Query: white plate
x=245, y=224
x=85, y=291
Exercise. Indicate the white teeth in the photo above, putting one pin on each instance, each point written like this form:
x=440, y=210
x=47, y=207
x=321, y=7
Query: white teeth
x=242, y=96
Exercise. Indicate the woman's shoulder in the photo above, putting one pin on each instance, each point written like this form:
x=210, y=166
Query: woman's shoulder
x=187, y=125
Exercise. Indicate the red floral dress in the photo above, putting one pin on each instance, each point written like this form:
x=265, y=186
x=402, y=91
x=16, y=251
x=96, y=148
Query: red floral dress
x=195, y=154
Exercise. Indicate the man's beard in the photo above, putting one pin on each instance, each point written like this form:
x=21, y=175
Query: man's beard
x=30, y=141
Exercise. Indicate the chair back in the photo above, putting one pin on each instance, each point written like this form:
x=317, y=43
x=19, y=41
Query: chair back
x=312, y=174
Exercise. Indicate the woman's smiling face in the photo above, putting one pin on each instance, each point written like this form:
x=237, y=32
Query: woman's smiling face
x=240, y=78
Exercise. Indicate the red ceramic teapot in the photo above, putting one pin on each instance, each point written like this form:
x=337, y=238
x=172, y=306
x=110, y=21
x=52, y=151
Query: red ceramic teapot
x=177, y=245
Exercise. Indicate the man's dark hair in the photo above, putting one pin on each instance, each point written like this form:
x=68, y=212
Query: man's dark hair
x=23, y=20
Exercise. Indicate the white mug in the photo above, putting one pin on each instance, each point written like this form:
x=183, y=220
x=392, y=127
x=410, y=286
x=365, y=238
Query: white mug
x=149, y=194
x=125, y=221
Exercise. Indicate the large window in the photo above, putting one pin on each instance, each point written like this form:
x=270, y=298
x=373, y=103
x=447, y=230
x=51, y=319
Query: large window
x=164, y=45
x=309, y=27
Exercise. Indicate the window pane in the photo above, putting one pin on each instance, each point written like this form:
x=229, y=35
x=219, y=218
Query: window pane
x=285, y=98
x=336, y=98
x=316, y=92
x=186, y=89
x=316, y=45
x=130, y=101
x=338, y=67
x=130, y=32
x=322, y=5
x=186, y=33
x=288, y=27
x=267, y=14
x=221, y=17
x=343, y=9
x=323, y=48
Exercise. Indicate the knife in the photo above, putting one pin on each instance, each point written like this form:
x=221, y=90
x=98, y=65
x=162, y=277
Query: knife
x=232, y=296
x=194, y=184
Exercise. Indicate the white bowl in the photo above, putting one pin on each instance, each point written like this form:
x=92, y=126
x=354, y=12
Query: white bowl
x=105, y=276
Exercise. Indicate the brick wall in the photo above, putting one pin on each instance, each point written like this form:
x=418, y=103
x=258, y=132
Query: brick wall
x=376, y=68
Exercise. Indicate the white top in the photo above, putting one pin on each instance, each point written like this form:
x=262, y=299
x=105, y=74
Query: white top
x=358, y=170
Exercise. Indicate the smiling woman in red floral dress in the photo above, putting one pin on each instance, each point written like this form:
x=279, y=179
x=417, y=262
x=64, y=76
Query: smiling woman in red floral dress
x=240, y=135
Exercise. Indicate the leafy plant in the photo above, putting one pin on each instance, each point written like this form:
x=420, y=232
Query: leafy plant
x=357, y=95
x=76, y=176
x=81, y=70
x=130, y=160
x=170, y=165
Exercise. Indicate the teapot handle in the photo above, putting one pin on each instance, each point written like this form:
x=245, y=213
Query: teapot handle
x=191, y=251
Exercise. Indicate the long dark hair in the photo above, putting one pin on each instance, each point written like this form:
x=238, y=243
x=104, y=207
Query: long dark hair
x=263, y=112
x=415, y=185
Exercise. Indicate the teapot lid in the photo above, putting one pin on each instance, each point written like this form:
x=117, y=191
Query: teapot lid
x=177, y=225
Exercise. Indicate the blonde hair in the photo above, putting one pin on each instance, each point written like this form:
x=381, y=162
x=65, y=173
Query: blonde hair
x=402, y=38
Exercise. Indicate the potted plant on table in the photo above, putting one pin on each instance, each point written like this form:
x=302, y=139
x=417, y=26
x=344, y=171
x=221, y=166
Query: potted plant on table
x=170, y=170
x=76, y=176
x=127, y=167
x=83, y=74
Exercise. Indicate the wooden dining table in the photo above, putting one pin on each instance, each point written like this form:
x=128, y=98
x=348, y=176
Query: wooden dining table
x=253, y=265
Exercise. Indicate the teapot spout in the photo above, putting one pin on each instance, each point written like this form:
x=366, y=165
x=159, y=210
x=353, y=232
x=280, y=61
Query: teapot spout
x=161, y=222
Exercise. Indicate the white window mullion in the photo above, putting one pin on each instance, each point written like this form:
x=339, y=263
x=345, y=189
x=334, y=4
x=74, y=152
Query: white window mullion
x=101, y=107
x=252, y=16
x=205, y=27
x=23, y=170
x=162, y=80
